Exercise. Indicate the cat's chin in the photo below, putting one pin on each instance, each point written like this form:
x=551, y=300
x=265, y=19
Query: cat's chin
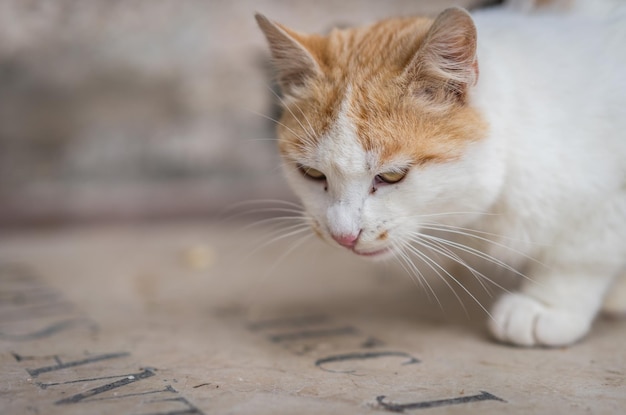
x=375, y=255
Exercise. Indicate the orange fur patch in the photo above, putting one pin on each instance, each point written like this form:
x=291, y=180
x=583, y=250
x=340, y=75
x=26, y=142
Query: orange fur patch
x=390, y=119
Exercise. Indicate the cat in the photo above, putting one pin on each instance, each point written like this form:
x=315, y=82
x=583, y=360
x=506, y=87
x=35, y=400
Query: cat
x=505, y=129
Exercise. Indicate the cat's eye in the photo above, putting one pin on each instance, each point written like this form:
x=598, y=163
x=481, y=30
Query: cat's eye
x=392, y=177
x=311, y=173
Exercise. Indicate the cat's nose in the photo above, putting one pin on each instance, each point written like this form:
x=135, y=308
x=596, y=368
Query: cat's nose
x=347, y=240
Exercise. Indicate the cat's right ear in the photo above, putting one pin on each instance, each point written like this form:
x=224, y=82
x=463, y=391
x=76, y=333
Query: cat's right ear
x=294, y=62
x=445, y=66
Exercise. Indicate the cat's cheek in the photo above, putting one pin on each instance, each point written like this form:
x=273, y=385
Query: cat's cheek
x=316, y=204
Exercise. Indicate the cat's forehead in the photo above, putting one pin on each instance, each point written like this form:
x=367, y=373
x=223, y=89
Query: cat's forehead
x=365, y=130
x=341, y=149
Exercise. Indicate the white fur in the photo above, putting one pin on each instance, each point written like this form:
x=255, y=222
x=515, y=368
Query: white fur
x=554, y=92
x=550, y=178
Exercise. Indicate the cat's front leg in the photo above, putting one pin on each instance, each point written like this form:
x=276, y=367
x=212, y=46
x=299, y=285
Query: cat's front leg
x=563, y=295
x=555, y=309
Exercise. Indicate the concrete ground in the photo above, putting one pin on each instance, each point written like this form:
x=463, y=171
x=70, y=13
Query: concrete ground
x=202, y=318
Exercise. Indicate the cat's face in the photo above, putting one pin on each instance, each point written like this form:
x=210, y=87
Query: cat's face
x=378, y=138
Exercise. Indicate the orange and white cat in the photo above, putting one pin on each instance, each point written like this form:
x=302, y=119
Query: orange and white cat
x=505, y=129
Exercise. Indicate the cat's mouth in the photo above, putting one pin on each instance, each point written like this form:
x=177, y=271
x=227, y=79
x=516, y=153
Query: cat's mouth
x=371, y=253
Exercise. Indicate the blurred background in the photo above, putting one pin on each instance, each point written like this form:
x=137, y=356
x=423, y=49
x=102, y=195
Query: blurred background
x=117, y=110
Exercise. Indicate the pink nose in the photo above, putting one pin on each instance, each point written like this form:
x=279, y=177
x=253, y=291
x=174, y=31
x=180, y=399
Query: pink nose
x=347, y=240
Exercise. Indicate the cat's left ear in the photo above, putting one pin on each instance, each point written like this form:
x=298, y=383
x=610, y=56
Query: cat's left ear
x=293, y=59
x=445, y=65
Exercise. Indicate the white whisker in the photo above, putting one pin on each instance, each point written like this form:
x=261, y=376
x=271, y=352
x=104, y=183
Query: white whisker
x=264, y=201
x=414, y=272
x=477, y=253
x=262, y=222
x=292, y=248
x=427, y=215
x=300, y=137
x=435, y=227
x=291, y=231
x=425, y=257
x=474, y=231
x=311, y=131
x=262, y=139
x=248, y=208
x=435, y=266
x=441, y=249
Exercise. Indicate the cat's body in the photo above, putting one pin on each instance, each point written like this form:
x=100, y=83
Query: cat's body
x=408, y=131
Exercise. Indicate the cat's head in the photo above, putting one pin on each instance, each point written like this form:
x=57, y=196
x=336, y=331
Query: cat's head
x=378, y=135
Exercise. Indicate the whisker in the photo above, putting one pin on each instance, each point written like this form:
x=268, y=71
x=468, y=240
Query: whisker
x=261, y=222
x=294, y=212
x=287, y=227
x=475, y=231
x=264, y=201
x=276, y=210
x=432, y=264
x=262, y=139
x=248, y=208
x=292, y=248
x=440, y=248
x=427, y=215
x=478, y=254
x=447, y=254
x=300, y=137
x=260, y=281
x=272, y=212
x=414, y=273
x=435, y=228
x=401, y=257
x=311, y=130
x=417, y=252
x=291, y=231
x=261, y=204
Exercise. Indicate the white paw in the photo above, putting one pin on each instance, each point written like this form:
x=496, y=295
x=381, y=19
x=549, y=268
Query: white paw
x=524, y=321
